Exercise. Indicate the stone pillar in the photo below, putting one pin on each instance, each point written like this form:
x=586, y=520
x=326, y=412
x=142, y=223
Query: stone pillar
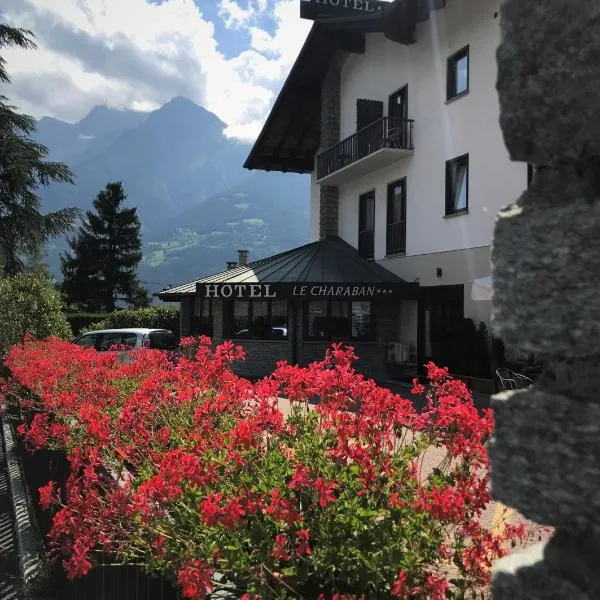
x=330, y=135
x=186, y=310
x=546, y=265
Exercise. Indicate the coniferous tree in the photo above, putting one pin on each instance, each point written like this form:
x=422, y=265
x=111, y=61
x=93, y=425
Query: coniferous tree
x=23, y=229
x=101, y=267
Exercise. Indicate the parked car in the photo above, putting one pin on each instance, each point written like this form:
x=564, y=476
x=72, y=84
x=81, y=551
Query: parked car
x=275, y=333
x=134, y=338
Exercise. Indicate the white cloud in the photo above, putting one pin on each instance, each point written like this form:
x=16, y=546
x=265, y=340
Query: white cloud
x=236, y=16
x=95, y=51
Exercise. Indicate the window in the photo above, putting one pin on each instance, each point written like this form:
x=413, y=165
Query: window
x=396, y=217
x=259, y=320
x=109, y=340
x=202, y=322
x=333, y=319
x=366, y=225
x=457, y=77
x=457, y=185
x=129, y=339
x=87, y=340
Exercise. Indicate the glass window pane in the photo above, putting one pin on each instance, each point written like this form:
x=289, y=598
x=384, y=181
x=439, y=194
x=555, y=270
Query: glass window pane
x=260, y=320
x=362, y=325
x=460, y=187
x=109, y=340
x=339, y=325
x=317, y=319
x=129, y=339
x=279, y=319
x=462, y=74
x=241, y=322
x=88, y=341
x=202, y=322
x=367, y=212
x=397, y=212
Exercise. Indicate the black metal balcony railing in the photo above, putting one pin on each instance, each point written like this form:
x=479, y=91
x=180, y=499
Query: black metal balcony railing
x=387, y=132
x=366, y=243
x=396, y=238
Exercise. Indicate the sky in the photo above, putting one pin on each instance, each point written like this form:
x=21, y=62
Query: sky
x=230, y=56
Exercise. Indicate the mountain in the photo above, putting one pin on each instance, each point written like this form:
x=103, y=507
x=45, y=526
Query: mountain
x=196, y=202
x=172, y=159
x=68, y=142
x=266, y=214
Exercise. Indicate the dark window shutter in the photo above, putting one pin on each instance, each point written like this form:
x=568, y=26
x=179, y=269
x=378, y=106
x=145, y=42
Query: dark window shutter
x=367, y=111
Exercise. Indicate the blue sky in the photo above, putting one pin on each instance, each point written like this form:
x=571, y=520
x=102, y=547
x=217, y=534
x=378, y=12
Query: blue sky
x=230, y=56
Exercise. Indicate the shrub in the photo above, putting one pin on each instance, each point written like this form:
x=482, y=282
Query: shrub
x=29, y=303
x=153, y=317
x=192, y=471
x=82, y=321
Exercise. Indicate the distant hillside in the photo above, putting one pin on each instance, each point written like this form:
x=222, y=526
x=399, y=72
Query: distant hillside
x=266, y=213
x=196, y=202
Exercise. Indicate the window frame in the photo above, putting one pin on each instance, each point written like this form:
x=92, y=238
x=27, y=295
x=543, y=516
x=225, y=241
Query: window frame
x=327, y=339
x=389, y=251
x=371, y=250
x=452, y=74
x=450, y=185
x=251, y=303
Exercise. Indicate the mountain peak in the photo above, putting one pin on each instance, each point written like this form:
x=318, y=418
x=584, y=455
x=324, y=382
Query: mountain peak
x=180, y=107
x=102, y=119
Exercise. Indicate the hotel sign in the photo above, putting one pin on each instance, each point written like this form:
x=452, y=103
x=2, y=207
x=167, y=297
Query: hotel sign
x=287, y=291
x=322, y=9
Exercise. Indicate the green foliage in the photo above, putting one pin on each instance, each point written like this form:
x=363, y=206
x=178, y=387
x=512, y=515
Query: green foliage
x=153, y=317
x=29, y=303
x=23, y=229
x=81, y=321
x=470, y=350
x=101, y=267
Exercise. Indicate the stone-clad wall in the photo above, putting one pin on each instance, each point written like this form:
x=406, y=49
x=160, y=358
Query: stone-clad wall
x=330, y=134
x=546, y=267
x=371, y=356
x=261, y=357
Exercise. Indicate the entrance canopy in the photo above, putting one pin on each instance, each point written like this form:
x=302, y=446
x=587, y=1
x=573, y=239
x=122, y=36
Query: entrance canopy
x=328, y=269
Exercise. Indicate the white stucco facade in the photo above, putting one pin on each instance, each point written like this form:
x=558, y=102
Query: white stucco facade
x=458, y=244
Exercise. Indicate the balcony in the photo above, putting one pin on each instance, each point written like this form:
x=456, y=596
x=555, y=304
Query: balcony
x=396, y=238
x=377, y=145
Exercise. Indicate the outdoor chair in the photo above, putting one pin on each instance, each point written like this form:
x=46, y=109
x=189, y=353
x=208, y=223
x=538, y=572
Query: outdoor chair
x=509, y=380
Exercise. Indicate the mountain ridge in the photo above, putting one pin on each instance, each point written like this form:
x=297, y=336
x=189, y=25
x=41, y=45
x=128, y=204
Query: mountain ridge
x=196, y=202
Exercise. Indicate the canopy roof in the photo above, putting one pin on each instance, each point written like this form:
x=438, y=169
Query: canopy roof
x=330, y=261
x=291, y=135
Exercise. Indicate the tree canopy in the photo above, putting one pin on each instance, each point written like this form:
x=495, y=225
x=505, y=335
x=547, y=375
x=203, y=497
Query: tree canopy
x=23, y=170
x=29, y=303
x=101, y=267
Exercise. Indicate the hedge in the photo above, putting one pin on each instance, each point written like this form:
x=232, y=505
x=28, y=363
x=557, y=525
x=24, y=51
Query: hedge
x=81, y=321
x=153, y=317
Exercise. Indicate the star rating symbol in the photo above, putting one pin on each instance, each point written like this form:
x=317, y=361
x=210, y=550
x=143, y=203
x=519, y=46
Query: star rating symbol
x=385, y=292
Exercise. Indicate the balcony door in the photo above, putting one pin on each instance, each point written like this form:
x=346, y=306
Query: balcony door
x=396, y=217
x=368, y=139
x=397, y=115
x=366, y=225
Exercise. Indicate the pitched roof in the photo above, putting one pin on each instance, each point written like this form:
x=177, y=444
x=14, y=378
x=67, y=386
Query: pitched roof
x=332, y=260
x=291, y=135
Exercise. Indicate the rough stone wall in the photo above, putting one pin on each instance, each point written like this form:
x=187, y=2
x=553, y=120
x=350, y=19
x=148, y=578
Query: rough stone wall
x=546, y=266
x=330, y=134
